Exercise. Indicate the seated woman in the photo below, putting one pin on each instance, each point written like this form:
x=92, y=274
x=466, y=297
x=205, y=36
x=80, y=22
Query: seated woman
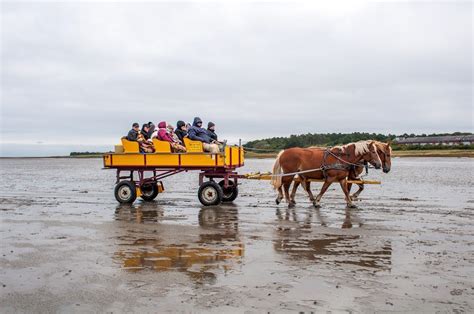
x=164, y=135
x=143, y=143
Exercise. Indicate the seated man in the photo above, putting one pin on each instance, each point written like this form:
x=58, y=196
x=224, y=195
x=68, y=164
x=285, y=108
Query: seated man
x=133, y=133
x=198, y=133
x=211, y=130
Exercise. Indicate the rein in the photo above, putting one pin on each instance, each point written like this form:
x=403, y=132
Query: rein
x=328, y=151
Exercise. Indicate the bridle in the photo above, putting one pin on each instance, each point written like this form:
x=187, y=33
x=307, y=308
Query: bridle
x=346, y=164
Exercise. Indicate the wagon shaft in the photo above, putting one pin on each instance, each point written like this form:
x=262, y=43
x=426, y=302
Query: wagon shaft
x=268, y=176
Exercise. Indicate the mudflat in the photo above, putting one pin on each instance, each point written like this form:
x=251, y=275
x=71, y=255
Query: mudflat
x=68, y=246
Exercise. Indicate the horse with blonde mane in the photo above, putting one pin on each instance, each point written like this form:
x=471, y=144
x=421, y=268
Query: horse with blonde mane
x=385, y=151
x=331, y=164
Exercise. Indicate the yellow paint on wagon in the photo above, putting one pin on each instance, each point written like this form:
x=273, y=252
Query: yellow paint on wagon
x=162, y=159
x=232, y=155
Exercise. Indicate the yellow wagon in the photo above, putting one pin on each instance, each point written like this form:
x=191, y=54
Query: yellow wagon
x=151, y=168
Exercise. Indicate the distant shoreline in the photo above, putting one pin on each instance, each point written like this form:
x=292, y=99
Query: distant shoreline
x=398, y=153
x=253, y=155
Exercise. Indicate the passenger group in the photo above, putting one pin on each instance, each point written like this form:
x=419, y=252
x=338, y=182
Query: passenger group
x=166, y=132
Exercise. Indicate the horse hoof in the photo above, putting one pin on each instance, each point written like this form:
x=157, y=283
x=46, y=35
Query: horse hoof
x=316, y=205
x=353, y=198
x=351, y=206
x=277, y=201
x=291, y=205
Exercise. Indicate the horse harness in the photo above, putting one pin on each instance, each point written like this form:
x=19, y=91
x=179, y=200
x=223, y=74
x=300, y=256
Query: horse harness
x=345, y=165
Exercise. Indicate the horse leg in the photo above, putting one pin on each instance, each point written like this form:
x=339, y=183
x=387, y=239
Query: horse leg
x=310, y=194
x=343, y=184
x=325, y=187
x=280, y=195
x=349, y=186
x=296, y=184
x=356, y=194
x=286, y=187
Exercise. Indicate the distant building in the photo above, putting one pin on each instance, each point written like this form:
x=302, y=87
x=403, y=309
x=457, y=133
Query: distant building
x=436, y=140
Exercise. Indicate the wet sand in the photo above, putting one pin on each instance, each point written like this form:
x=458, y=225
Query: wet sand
x=67, y=246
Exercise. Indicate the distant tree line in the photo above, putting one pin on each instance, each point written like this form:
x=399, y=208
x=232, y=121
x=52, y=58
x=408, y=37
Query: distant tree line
x=85, y=153
x=435, y=134
x=431, y=147
x=332, y=139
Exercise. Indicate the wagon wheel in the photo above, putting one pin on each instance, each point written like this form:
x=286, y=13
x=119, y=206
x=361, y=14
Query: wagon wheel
x=210, y=193
x=230, y=193
x=149, y=191
x=125, y=192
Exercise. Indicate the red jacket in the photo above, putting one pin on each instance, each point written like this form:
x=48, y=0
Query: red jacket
x=163, y=133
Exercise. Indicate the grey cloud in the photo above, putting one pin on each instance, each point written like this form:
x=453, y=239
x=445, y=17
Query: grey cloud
x=84, y=72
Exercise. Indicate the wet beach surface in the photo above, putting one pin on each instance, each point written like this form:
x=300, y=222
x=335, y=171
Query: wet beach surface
x=68, y=246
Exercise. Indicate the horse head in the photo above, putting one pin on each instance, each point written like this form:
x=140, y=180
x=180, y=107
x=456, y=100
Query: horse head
x=371, y=155
x=385, y=151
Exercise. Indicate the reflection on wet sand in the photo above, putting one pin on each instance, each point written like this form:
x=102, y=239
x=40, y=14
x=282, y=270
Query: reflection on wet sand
x=218, y=249
x=140, y=212
x=300, y=240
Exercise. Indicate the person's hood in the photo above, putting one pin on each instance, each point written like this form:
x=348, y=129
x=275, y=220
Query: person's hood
x=179, y=124
x=162, y=125
x=196, y=121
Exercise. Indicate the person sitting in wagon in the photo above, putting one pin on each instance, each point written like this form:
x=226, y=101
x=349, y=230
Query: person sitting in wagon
x=164, y=135
x=198, y=133
x=145, y=131
x=143, y=143
x=173, y=135
x=211, y=130
x=133, y=133
x=151, y=131
x=181, y=130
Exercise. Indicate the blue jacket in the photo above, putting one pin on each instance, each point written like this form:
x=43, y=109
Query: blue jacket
x=196, y=133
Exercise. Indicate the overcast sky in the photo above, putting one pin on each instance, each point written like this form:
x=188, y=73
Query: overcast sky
x=81, y=73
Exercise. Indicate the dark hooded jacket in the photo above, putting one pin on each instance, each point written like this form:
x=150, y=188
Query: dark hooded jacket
x=212, y=134
x=145, y=133
x=180, y=133
x=132, y=135
x=151, y=129
x=196, y=133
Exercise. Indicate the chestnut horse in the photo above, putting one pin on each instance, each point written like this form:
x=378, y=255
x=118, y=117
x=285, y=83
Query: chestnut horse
x=332, y=164
x=384, y=150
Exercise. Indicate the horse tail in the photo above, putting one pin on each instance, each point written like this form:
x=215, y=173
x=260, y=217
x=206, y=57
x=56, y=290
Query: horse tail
x=276, y=178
